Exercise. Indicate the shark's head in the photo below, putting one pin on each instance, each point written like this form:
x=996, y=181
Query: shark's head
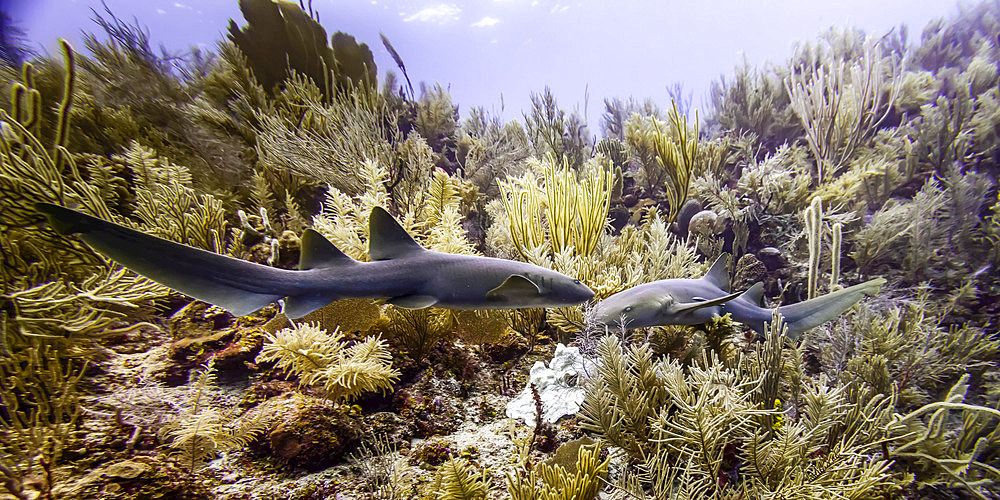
x=541, y=288
x=633, y=308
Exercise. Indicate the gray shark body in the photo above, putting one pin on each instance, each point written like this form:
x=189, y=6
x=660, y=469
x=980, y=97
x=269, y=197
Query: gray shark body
x=401, y=271
x=697, y=301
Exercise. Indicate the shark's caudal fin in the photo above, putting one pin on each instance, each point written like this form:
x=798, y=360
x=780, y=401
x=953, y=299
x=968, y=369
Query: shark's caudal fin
x=316, y=252
x=387, y=239
x=236, y=285
x=814, y=312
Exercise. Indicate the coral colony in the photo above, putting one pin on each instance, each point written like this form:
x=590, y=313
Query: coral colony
x=792, y=294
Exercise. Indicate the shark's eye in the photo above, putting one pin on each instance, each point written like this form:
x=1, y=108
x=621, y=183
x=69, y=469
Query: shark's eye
x=577, y=282
x=628, y=309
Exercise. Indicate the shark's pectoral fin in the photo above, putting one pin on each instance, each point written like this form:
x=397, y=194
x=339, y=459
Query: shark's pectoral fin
x=686, y=307
x=411, y=301
x=515, y=286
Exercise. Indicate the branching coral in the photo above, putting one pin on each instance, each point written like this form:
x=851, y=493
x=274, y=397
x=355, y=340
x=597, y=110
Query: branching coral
x=553, y=482
x=575, y=210
x=911, y=232
x=326, y=142
x=280, y=36
x=750, y=426
x=490, y=149
x=964, y=459
x=667, y=153
x=458, y=482
x=756, y=102
x=201, y=431
x=321, y=359
x=38, y=395
x=551, y=130
x=841, y=105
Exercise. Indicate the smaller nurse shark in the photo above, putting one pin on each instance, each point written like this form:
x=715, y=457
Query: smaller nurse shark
x=401, y=271
x=697, y=301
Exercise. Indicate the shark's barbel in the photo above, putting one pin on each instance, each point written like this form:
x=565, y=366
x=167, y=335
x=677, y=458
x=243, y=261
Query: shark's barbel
x=697, y=301
x=401, y=271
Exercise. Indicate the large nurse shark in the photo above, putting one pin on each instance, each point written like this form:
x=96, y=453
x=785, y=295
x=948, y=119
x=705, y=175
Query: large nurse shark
x=401, y=271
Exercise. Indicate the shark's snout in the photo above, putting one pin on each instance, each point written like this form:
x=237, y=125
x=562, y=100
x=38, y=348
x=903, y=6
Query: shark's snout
x=607, y=313
x=581, y=292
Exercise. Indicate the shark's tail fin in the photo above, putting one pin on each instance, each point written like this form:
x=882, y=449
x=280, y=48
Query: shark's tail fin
x=814, y=312
x=238, y=286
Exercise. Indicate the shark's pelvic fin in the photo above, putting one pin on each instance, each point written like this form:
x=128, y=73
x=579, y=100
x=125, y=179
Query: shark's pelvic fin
x=298, y=306
x=718, y=274
x=224, y=281
x=514, y=286
x=318, y=252
x=387, y=239
x=412, y=301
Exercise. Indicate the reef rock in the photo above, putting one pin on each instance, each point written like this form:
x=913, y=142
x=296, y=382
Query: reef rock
x=559, y=386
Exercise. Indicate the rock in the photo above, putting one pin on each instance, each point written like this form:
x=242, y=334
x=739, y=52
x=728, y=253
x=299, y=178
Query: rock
x=771, y=257
x=684, y=215
x=567, y=454
x=288, y=250
x=126, y=469
x=559, y=386
x=312, y=433
x=704, y=223
x=749, y=270
x=630, y=200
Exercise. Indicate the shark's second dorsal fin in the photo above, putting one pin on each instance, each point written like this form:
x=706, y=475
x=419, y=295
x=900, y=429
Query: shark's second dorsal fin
x=317, y=251
x=718, y=275
x=755, y=294
x=387, y=239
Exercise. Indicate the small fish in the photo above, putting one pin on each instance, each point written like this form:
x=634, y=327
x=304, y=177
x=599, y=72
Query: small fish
x=401, y=272
x=697, y=301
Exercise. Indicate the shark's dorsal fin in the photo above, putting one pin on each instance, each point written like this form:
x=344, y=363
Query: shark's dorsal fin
x=683, y=307
x=514, y=286
x=387, y=239
x=317, y=251
x=755, y=294
x=718, y=274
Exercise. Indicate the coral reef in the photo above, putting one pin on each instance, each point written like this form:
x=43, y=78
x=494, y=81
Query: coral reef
x=857, y=160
